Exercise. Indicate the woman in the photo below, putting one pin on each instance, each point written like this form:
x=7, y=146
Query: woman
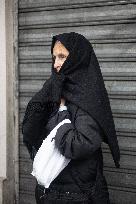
x=76, y=83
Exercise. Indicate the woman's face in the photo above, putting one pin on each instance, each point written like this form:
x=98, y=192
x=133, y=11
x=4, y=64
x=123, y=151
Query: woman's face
x=60, y=54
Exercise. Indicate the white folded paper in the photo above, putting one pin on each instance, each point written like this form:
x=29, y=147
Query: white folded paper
x=48, y=161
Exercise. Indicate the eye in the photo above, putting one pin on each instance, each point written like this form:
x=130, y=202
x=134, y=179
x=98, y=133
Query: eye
x=61, y=56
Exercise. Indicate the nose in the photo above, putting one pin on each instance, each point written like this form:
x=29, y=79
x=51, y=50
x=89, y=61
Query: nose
x=57, y=63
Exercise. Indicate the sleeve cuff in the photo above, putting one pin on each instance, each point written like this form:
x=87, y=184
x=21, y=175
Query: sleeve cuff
x=61, y=131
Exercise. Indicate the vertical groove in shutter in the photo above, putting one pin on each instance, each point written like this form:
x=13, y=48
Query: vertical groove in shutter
x=110, y=27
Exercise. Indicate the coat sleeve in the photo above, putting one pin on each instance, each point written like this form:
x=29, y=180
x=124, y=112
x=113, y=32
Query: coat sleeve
x=39, y=109
x=34, y=119
x=32, y=125
x=80, y=140
x=36, y=116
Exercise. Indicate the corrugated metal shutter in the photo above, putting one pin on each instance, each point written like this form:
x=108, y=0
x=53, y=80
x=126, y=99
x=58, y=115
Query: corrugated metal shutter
x=111, y=28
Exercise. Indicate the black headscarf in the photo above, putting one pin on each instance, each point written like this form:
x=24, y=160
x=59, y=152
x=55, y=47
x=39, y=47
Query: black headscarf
x=84, y=86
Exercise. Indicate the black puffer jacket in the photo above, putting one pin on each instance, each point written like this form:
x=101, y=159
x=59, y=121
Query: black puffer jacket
x=80, y=141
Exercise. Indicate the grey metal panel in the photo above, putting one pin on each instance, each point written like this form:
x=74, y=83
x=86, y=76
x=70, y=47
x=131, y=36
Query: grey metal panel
x=81, y=16
x=79, y=3
x=124, y=196
x=101, y=33
x=110, y=27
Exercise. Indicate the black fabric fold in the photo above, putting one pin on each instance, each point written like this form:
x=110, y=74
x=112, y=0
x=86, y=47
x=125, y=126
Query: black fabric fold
x=84, y=85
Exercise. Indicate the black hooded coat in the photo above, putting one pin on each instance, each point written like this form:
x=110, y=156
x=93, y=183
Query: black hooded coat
x=80, y=82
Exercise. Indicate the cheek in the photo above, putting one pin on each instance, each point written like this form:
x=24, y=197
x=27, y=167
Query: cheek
x=63, y=61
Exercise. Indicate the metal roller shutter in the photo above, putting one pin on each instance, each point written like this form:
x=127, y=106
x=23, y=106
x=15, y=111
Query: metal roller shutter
x=111, y=28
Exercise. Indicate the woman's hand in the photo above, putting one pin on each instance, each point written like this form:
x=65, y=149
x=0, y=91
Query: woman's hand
x=62, y=102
